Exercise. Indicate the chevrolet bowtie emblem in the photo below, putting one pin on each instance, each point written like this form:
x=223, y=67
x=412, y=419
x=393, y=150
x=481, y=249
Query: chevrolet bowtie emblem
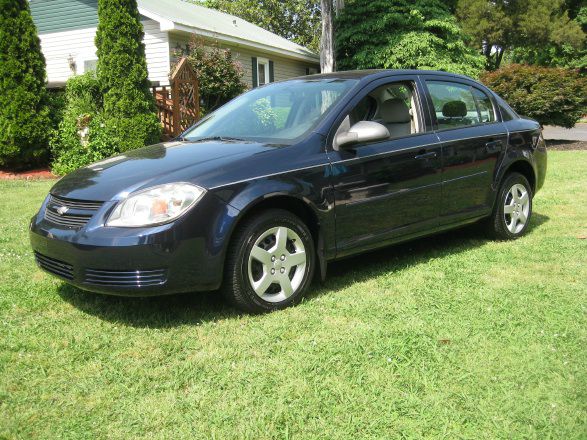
x=62, y=210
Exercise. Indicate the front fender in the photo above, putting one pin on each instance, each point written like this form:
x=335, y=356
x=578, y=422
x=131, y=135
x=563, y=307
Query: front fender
x=308, y=188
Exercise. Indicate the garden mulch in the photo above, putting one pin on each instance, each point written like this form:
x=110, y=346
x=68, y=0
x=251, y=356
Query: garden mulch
x=565, y=145
x=42, y=173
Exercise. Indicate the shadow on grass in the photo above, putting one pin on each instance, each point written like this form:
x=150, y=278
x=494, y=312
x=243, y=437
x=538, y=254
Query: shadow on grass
x=195, y=308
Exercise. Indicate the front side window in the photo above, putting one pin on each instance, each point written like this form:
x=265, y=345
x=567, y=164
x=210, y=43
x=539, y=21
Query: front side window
x=393, y=105
x=280, y=112
x=459, y=105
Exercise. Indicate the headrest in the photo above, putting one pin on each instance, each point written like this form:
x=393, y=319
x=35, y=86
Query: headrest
x=395, y=111
x=454, y=109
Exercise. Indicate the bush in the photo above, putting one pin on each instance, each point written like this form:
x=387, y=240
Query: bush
x=402, y=34
x=552, y=96
x=82, y=136
x=24, y=115
x=220, y=76
x=129, y=113
x=56, y=102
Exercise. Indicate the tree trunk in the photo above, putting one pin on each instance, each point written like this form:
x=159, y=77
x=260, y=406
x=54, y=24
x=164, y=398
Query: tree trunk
x=499, y=57
x=327, y=39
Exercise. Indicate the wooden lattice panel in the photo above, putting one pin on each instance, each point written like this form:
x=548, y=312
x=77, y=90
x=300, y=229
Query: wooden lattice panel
x=185, y=96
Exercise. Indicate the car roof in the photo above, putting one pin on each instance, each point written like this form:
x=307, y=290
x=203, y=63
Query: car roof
x=381, y=73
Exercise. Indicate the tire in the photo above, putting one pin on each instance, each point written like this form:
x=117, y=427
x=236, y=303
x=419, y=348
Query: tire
x=266, y=251
x=511, y=215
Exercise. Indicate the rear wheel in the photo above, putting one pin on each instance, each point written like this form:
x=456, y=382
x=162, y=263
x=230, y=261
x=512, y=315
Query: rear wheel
x=270, y=262
x=513, y=208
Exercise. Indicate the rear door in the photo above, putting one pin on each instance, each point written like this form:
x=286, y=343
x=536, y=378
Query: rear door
x=473, y=142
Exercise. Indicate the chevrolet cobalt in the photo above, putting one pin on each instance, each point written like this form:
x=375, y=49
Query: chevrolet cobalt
x=259, y=195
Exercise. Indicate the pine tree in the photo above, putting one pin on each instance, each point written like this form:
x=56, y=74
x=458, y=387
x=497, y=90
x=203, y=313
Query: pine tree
x=24, y=115
x=129, y=106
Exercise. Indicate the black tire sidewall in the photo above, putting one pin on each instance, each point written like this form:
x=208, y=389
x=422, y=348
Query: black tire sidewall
x=499, y=219
x=251, y=233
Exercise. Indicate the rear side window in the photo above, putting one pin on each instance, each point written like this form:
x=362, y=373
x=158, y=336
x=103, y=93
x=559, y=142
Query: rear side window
x=459, y=105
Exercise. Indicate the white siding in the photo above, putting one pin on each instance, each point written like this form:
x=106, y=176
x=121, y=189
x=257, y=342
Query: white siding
x=79, y=44
x=157, y=51
x=283, y=68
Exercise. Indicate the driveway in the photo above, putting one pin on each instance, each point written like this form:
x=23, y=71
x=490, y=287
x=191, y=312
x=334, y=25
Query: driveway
x=577, y=133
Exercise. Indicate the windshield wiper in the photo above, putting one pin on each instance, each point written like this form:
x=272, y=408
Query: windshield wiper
x=216, y=138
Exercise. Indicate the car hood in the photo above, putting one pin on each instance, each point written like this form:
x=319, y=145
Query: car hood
x=201, y=163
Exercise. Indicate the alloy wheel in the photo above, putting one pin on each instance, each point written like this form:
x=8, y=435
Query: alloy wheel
x=516, y=208
x=277, y=264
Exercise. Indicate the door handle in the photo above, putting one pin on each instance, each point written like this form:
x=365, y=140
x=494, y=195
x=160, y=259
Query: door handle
x=424, y=156
x=494, y=146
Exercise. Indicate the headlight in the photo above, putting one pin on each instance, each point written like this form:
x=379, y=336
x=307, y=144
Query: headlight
x=156, y=205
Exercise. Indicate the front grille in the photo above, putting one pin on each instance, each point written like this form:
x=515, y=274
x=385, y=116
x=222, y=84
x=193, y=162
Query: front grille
x=54, y=266
x=72, y=221
x=76, y=204
x=135, y=278
x=70, y=213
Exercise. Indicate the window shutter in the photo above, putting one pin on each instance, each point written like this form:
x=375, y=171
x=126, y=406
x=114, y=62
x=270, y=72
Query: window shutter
x=271, y=72
x=255, y=72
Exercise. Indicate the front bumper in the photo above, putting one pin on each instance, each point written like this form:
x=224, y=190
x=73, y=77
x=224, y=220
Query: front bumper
x=183, y=256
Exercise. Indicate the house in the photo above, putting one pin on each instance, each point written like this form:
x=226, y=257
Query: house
x=67, y=29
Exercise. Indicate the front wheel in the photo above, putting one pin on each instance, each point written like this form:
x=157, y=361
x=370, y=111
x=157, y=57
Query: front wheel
x=270, y=263
x=513, y=209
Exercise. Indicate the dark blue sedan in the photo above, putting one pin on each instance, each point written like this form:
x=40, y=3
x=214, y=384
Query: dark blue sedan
x=258, y=196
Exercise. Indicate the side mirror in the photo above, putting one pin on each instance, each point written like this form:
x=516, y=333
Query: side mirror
x=362, y=131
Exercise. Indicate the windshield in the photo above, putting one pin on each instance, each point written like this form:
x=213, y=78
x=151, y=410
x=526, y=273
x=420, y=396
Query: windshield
x=279, y=113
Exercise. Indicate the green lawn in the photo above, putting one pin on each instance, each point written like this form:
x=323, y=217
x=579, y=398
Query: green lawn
x=447, y=337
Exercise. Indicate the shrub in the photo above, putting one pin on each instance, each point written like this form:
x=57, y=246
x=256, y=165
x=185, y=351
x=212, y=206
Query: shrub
x=402, y=34
x=219, y=74
x=129, y=107
x=24, y=115
x=56, y=102
x=82, y=136
x=552, y=96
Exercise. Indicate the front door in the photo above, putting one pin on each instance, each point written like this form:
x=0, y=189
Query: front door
x=391, y=188
x=473, y=140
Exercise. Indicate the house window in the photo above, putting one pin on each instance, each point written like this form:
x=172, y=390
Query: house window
x=311, y=71
x=86, y=62
x=90, y=65
x=263, y=71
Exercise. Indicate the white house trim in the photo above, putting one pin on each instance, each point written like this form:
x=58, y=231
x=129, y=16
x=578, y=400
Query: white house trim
x=265, y=63
x=165, y=25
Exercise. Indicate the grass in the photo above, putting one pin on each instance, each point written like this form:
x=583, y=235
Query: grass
x=446, y=337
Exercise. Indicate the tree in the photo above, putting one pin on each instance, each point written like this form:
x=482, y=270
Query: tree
x=24, y=115
x=420, y=34
x=329, y=10
x=129, y=106
x=296, y=20
x=327, y=37
x=499, y=25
